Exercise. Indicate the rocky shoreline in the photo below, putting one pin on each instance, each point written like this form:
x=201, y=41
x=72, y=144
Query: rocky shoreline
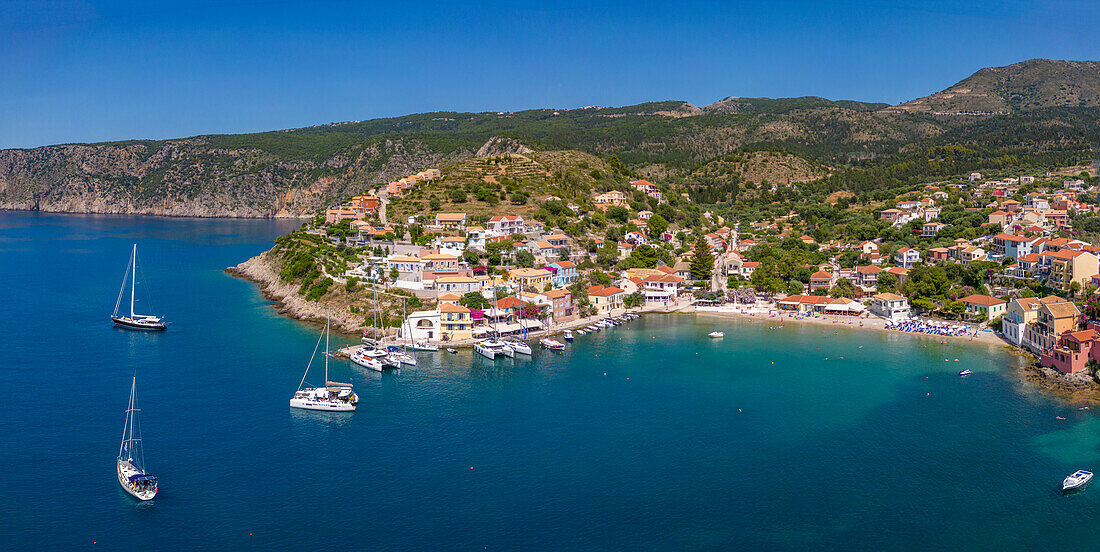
x=261, y=270
x=1079, y=388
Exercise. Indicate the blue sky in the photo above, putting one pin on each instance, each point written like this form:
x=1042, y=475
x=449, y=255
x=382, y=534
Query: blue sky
x=81, y=70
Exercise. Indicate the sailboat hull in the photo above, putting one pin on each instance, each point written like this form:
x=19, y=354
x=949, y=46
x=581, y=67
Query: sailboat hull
x=125, y=470
x=126, y=322
x=324, y=406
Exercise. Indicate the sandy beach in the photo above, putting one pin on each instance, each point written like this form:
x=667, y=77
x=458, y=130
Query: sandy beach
x=765, y=314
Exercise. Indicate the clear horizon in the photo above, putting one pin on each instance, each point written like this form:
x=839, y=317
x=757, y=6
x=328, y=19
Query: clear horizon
x=86, y=71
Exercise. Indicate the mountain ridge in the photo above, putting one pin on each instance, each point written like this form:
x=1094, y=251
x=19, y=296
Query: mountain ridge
x=296, y=172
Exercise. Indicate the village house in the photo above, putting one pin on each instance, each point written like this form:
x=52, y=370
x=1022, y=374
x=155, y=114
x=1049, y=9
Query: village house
x=930, y=229
x=605, y=299
x=1012, y=246
x=563, y=273
x=506, y=225
x=820, y=280
x=890, y=306
x=450, y=220
x=561, y=305
x=891, y=215
x=1072, y=352
x=457, y=284
x=1019, y=315
x=610, y=199
x=984, y=307
x=455, y=321
x=536, y=278
x=803, y=304
x=1067, y=266
x=662, y=288
x=409, y=268
x=335, y=216
x=1054, y=320
x=937, y=254
x=906, y=257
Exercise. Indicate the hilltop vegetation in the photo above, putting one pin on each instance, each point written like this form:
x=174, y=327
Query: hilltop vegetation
x=1048, y=116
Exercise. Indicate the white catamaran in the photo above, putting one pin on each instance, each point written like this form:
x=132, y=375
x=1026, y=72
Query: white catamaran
x=134, y=321
x=333, y=396
x=131, y=456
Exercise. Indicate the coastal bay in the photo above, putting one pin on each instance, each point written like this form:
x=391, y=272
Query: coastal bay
x=645, y=436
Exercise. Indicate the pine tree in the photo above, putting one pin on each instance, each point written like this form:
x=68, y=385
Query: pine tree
x=702, y=262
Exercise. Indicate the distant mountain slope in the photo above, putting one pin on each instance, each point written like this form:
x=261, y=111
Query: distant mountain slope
x=1028, y=85
x=1046, y=110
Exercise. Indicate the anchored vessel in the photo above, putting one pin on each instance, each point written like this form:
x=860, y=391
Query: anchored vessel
x=1076, y=480
x=492, y=348
x=518, y=346
x=131, y=456
x=552, y=344
x=134, y=321
x=333, y=396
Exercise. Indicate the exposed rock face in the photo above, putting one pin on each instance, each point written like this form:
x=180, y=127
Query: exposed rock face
x=194, y=177
x=500, y=146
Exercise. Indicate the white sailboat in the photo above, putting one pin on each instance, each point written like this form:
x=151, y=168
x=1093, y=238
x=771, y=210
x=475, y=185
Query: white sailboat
x=131, y=456
x=333, y=396
x=134, y=321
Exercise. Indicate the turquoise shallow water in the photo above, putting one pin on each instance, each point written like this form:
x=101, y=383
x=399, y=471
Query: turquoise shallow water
x=650, y=436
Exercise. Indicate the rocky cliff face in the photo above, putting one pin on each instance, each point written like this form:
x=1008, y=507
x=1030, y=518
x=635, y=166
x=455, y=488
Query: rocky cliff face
x=196, y=177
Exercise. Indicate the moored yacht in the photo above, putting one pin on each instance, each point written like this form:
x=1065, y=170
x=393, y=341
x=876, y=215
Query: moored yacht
x=716, y=334
x=400, y=356
x=131, y=456
x=518, y=346
x=492, y=348
x=332, y=396
x=568, y=335
x=134, y=321
x=361, y=358
x=1076, y=480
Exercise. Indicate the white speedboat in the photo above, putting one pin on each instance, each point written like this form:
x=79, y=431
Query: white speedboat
x=580, y=332
x=332, y=396
x=518, y=346
x=966, y=372
x=1076, y=480
x=424, y=346
x=131, y=456
x=716, y=334
x=568, y=335
x=134, y=321
x=552, y=344
x=493, y=348
x=452, y=351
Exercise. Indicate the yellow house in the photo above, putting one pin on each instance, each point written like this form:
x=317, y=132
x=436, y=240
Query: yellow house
x=531, y=277
x=455, y=321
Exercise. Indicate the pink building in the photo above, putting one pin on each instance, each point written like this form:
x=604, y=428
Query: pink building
x=1073, y=351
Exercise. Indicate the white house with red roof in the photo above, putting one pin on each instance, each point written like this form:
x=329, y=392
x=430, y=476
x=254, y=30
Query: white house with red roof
x=505, y=225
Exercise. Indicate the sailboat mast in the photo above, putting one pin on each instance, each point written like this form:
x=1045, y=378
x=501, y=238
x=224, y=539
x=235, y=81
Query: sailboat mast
x=133, y=280
x=327, y=315
x=128, y=425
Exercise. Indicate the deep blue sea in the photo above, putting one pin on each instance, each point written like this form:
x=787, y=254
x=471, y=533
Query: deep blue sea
x=649, y=436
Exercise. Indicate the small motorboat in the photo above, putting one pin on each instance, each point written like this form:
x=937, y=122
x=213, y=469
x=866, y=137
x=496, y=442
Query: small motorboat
x=966, y=372
x=452, y=351
x=552, y=344
x=716, y=334
x=568, y=335
x=580, y=332
x=424, y=346
x=1076, y=480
